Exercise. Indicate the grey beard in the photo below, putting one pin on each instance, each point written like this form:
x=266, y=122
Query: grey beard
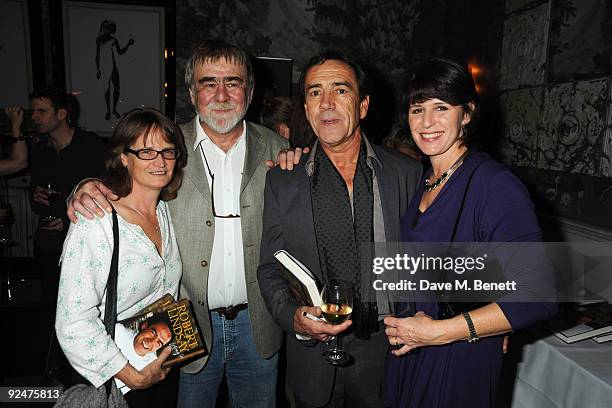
x=230, y=123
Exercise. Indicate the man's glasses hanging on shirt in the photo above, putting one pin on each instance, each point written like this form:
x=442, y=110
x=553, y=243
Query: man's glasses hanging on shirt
x=212, y=192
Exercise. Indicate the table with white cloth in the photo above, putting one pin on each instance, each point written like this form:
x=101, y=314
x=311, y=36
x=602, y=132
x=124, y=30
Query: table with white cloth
x=555, y=374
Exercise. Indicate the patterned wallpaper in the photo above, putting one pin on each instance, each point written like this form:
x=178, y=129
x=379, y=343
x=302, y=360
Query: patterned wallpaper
x=389, y=35
x=524, y=48
x=555, y=78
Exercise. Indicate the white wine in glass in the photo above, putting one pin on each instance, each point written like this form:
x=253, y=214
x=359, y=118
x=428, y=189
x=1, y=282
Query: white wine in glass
x=336, y=309
x=336, y=314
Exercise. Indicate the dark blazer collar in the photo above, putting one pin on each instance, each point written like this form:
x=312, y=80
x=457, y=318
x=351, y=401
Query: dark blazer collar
x=389, y=188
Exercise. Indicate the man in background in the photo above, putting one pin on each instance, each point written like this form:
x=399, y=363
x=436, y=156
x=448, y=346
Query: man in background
x=65, y=155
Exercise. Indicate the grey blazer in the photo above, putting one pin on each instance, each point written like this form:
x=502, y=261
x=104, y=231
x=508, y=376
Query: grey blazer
x=288, y=225
x=194, y=225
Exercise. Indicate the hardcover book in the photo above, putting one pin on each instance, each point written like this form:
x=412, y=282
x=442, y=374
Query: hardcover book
x=603, y=338
x=302, y=282
x=583, y=323
x=163, y=323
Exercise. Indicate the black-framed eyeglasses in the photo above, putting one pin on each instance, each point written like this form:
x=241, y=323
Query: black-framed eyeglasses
x=151, y=154
x=212, y=192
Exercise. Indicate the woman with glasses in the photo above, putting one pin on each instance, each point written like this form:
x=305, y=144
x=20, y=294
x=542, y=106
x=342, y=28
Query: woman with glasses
x=145, y=161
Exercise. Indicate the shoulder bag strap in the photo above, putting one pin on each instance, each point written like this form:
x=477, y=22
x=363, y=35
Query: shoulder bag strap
x=110, y=309
x=465, y=193
x=445, y=304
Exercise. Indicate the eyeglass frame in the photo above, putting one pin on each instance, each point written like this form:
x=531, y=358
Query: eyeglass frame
x=212, y=191
x=137, y=153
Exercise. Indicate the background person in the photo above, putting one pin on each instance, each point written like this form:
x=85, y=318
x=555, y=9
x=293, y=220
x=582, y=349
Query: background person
x=18, y=159
x=146, y=156
x=276, y=115
x=301, y=134
x=442, y=105
x=63, y=156
x=399, y=139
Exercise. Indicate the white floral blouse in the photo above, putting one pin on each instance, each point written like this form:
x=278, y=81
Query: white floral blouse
x=144, y=277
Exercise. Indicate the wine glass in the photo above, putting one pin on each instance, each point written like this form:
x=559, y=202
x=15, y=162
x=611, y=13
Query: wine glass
x=336, y=309
x=52, y=196
x=5, y=236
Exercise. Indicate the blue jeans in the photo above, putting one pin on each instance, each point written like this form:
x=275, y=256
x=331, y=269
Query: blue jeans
x=251, y=379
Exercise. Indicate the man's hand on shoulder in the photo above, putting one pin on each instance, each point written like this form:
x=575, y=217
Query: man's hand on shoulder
x=319, y=330
x=287, y=158
x=91, y=198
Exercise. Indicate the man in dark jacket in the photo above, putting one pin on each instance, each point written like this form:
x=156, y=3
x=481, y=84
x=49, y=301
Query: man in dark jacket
x=344, y=194
x=65, y=155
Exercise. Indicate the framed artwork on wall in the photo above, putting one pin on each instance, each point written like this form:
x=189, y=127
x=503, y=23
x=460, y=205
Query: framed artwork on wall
x=114, y=58
x=15, y=77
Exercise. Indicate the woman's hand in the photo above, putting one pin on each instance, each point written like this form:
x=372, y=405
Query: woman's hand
x=412, y=332
x=151, y=374
x=421, y=330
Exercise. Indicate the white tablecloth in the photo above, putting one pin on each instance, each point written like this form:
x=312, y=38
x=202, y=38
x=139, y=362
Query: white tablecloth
x=555, y=374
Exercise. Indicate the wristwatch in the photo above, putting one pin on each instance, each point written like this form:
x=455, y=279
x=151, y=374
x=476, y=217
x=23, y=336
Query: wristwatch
x=473, y=337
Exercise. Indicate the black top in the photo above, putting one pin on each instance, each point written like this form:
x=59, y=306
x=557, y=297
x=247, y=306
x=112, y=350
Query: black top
x=82, y=158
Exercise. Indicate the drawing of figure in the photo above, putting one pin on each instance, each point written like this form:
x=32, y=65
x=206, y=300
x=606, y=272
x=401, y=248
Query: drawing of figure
x=107, y=48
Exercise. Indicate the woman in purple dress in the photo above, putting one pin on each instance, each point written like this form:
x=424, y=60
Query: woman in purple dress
x=465, y=197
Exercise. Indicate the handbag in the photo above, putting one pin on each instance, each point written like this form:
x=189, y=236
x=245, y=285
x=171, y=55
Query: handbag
x=107, y=395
